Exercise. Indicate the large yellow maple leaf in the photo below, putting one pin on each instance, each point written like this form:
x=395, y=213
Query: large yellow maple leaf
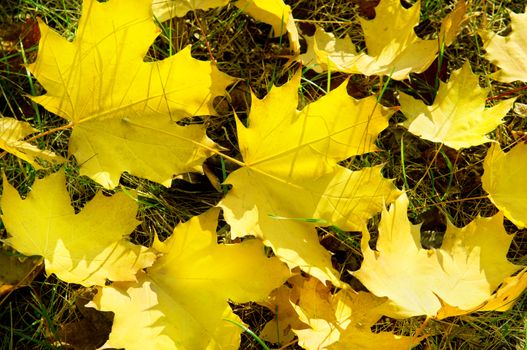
x=343, y=320
x=458, y=117
x=123, y=110
x=463, y=273
x=86, y=248
x=503, y=179
x=181, y=301
x=12, y=133
x=508, y=52
x=290, y=181
x=393, y=47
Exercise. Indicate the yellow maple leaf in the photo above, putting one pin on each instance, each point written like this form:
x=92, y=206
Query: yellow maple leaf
x=181, y=302
x=124, y=111
x=86, y=248
x=290, y=181
x=343, y=321
x=273, y=12
x=323, y=48
x=510, y=52
x=458, y=117
x=12, y=132
x=464, y=272
x=393, y=47
x=503, y=179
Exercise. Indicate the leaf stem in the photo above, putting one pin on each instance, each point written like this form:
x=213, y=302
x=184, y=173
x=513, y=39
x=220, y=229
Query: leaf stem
x=51, y=131
x=403, y=164
x=429, y=166
x=31, y=86
x=415, y=336
x=508, y=92
x=234, y=160
x=205, y=40
x=42, y=134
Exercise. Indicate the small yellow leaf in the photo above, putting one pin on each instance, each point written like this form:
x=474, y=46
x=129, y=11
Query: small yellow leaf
x=503, y=179
x=393, y=48
x=508, y=52
x=463, y=273
x=323, y=49
x=12, y=132
x=458, y=117
x=86, y=248
x=181, y=302
x=291, y=181
x=124, y=111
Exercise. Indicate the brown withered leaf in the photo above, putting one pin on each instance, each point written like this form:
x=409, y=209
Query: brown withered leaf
x=16, y=272
x=91, y=329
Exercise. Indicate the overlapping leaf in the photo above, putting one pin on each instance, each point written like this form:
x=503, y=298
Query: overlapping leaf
x=503, y=300
x=323, y=46
x=393, y=47
x=291, y=178
x=458, y=117
x=343, y=320
x=508, y=52
x=504, y=181
x=16, y=271
x=463, y=273
x=123, y=110
x=86, y=248
x=280, y=329
x=181, y=303
x=12, y=133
